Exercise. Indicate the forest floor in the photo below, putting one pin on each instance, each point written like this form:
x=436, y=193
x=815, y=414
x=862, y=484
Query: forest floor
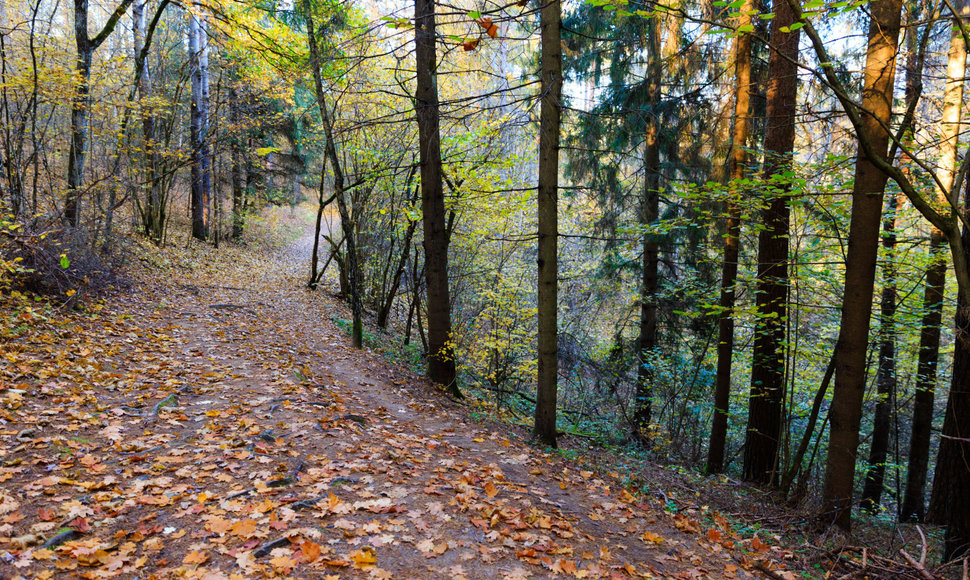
x=209, y=420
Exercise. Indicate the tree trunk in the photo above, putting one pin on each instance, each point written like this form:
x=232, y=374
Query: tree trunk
x=80, y=104
x=860, y=267
x=238, y=171
x=886, y=369
x=649, y=214
x=935, y=290
x=732, y=233
x=198, y=128
x=950, y=498
x=153, y=212
x=766, y=399
x=351, y=266
x=548, y=199
x=950, y=501
x=441, y=353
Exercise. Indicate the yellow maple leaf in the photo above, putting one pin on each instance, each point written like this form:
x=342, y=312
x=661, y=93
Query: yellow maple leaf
x=651, y=538
x=363, y=558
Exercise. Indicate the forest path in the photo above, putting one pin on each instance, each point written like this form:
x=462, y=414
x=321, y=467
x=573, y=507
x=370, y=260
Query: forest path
x=216, y=423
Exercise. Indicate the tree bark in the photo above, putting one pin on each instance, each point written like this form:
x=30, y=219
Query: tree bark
x=351, y=265
x=766, y=399
x=886, y=369
x=198, y=129
x=649, y=214
x=441, y=352
x=548, y=200
x=950, y=497
x=81, y=102
x=238, y=171
x=153, y=212
x=732, y=233
x=860, y=267
x=935, y=291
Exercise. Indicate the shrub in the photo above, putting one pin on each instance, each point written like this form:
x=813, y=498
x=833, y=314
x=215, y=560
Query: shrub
x=44, y=257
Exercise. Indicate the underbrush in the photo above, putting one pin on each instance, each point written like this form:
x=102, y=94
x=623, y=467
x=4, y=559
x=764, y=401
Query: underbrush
x=388, y=345
x=42, y=257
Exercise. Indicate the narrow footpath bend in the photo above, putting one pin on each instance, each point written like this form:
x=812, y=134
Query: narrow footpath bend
x=218, y=424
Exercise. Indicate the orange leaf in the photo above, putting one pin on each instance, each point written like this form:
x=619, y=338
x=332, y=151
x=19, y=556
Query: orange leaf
x=195, y=558
x=757, y=545
x=218, y=525
x=490, y=489
x=282, y=564
x=470, y=45
x=243, y=529
x=310, y=551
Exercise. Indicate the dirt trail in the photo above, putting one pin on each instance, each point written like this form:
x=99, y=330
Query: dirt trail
x=216, y=424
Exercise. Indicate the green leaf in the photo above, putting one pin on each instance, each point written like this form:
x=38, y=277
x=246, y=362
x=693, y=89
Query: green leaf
x=65, y=263
x=475, y=14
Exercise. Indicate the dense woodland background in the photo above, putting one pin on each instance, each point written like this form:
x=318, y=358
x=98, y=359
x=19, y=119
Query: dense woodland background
x=750, y=221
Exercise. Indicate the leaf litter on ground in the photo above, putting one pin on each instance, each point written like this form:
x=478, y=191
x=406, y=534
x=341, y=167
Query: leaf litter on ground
x=151, y=436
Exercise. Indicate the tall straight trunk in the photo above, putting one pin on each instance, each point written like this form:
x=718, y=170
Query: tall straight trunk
x=548, y=199
x=732, y=235
x=238, y=171
x=860, y=267
x=886, y=369
x=205, y=152
x=441, y=352
x=77, y=156
x=935, y=290
x=766, y=399
x=649, y=214
x=350, y=263
x=198, y=130
x=153, y=212
x=81, y=102
x=950, y=497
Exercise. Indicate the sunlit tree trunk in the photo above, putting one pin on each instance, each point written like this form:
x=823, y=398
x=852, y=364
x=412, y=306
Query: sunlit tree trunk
x=441, y=352
x=860, y=268
x=766, y=398
x=935, y=290
x=548, y=196
x=950, y=497
x=732, y=233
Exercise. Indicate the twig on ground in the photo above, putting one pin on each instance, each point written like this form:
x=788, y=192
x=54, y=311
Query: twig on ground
x=918, y=566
